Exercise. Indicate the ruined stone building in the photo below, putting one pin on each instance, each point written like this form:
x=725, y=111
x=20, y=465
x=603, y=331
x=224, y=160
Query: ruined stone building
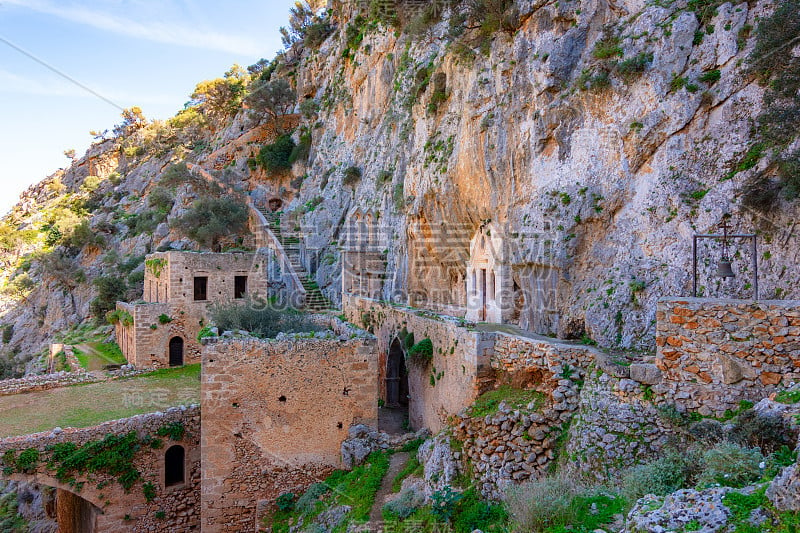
x=179, y=288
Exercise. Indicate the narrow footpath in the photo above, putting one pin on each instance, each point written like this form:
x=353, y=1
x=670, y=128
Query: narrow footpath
x=396, y=463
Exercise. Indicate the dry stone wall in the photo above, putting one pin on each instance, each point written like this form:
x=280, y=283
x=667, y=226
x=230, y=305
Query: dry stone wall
x=617, y=425
x=173, y=509
x=275, y=413
x=715, y=353
x=514, y=445
x=60, y=379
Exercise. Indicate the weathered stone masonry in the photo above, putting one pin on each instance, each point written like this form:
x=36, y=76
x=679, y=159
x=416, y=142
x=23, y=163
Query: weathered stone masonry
x=115, y=510
x=275, y=413
x=181, y=285
x=460, y=358
x=714, y=353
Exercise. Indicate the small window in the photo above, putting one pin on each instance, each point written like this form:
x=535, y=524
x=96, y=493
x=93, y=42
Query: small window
x=240, y=287
x=201, y=288
x=174, y=466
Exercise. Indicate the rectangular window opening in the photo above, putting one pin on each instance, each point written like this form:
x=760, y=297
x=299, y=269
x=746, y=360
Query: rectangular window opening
x=201, y=288
x=240, y=287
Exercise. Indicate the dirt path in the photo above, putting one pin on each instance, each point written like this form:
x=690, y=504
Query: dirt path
x=396, y=464
x=96, y=360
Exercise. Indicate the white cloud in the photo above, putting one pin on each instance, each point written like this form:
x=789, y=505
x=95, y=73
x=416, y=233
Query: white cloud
x=160, y=31
x=16, y=84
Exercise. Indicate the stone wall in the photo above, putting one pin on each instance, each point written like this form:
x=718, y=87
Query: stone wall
x=173, y=509
x=518, y=443
x=169, y=276
x=515, y=444
x=514, y=354
x=714, y=353
x=451, y=381
x=145, y=343
x=275, y=413
x=56, y=380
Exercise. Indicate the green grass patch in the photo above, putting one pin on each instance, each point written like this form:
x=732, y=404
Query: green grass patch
x=356, y=488
x=82, y=358
x=169, y=374
x=110, y=352
x=788, y=396
x=472, y=512
x=488, y=402
x=742, y=506
x=91, y=404
x=589, y=513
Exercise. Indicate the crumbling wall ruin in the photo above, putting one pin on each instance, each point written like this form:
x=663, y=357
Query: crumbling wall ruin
x=275, y=414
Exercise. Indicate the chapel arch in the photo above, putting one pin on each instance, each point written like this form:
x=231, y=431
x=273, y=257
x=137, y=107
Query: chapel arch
x=489, y=294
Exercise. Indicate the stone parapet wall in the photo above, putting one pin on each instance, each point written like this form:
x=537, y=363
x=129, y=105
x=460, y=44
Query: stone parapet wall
x=513, y=354
x=275, y=414
x=715, y=353
x=121, y=510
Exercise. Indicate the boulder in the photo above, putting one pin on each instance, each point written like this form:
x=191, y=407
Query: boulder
x=646, y=373
x=440, y=466
x=679, y=509
x=784, y=491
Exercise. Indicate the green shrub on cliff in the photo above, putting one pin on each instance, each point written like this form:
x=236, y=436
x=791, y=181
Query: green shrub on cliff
x=276, y=157
x=209, y=220
x=777, y=67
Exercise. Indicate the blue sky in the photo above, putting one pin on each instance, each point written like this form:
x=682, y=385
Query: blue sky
x=149, y=53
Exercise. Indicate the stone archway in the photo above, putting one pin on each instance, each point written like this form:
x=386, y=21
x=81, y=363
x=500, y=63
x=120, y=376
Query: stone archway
x=174, y=466
x=176, y=351
x=74, y=513
x=396, y=377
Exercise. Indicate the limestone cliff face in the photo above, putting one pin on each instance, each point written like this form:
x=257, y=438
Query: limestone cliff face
x=595, y=141
x=605, y=186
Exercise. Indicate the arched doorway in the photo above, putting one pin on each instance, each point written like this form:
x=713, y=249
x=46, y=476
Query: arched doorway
x=396, y=377
x=175, y=351
x=174, y=460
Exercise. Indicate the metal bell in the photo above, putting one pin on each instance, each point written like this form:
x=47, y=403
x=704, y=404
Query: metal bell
x=724, y=269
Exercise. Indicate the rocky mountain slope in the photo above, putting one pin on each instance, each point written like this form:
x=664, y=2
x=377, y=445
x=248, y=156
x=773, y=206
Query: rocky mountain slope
x=599, y=136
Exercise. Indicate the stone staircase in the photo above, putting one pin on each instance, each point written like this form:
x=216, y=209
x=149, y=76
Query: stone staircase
x=315, y=300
